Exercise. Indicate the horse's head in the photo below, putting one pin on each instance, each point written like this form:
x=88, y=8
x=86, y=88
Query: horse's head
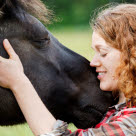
x=63, y=79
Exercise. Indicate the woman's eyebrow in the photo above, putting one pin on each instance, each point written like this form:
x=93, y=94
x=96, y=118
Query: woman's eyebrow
x=99, y=47
x=96, y=46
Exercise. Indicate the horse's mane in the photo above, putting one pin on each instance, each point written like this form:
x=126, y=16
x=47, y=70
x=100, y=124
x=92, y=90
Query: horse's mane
x=35, y=7
x=38, y=9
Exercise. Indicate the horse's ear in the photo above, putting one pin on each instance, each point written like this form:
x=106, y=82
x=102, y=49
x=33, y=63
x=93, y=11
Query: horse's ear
x=9, y=7
x=2, y=3
x=34, y=7
x=8, y=3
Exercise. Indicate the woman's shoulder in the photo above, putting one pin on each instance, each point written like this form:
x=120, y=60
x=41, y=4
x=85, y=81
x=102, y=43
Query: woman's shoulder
x=124, y=114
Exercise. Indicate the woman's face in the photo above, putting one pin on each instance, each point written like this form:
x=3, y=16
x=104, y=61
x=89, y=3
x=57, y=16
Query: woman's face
x=106, y=60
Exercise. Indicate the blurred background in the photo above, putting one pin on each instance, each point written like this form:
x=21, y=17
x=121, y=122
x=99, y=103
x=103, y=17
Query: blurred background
x=76, y=12
x=73, y=30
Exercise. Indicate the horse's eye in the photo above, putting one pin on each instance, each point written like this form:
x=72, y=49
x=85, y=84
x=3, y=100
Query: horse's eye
x=40, y=43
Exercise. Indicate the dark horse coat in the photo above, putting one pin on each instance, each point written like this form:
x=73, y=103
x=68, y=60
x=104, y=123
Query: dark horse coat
x=63, y=79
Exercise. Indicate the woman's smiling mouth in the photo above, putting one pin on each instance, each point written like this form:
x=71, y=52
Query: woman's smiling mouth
x=101, y=74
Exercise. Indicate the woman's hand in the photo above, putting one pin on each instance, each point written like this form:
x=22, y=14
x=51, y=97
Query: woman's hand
x=11, y=70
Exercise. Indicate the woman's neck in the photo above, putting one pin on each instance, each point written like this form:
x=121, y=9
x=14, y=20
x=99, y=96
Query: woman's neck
x=122, y=98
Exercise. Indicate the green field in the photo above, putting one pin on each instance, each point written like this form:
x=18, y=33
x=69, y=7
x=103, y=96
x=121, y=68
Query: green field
x=77, y=40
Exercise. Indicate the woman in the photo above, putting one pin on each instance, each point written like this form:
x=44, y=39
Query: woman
x=114, y=43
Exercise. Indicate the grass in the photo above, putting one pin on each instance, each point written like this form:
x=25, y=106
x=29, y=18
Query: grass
x=79, y=40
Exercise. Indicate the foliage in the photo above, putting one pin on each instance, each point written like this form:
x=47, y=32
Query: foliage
x=76, y=12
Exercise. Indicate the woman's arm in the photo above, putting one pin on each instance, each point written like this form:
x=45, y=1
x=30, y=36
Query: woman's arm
x=39, y=119
x=37, y=115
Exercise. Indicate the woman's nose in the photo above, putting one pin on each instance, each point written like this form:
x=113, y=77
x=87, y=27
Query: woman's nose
x=95, y=62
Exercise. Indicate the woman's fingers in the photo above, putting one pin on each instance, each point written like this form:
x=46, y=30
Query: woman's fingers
x=10, y=50
x=12, y=55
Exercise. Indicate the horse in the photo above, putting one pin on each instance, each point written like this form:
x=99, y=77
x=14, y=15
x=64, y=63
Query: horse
x=63, y=79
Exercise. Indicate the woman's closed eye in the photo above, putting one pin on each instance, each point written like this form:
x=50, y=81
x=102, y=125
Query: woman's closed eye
x=103, y=54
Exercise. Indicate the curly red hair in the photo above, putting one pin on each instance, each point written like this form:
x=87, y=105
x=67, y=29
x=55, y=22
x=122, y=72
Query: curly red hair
x=117, y=25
